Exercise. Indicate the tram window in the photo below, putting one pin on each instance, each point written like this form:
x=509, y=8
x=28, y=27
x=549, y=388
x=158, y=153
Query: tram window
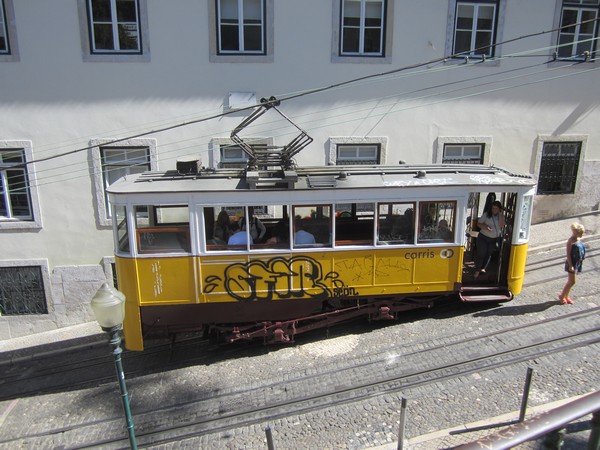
x=120, y=215
x=395, y=223
x=312, y=226
x=162, y=229
x=354, y=224
x=436, y=222
x=269, y=226
x=220, y=223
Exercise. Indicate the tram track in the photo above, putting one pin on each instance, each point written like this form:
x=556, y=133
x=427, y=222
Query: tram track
x=161, y=354
x=355, y=382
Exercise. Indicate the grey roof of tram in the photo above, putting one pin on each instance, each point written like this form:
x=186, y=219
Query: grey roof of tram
x=338, y=177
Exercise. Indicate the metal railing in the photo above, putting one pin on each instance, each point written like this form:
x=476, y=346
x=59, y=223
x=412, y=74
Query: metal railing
x=545, y=424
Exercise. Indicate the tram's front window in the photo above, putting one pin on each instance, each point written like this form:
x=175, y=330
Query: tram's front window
x=122, y=235
x=354, y=223
x=162, y=229
x=436, y=222
x=312, y=226
x=395, y=223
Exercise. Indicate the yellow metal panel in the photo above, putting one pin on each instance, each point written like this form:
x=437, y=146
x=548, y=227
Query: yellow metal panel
x=166, y=280
x=516, y=268
x=128, y=282
x=333, y=274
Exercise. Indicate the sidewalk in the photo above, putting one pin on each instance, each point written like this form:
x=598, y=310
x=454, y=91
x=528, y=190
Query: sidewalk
x=453, y=437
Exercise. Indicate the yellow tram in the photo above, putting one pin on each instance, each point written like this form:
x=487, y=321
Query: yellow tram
x=273, y=250
x=317, y=245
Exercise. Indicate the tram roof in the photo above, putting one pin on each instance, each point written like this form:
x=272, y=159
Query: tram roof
x=321, y=177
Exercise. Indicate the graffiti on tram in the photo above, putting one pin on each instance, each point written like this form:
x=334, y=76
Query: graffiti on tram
x=278, y=279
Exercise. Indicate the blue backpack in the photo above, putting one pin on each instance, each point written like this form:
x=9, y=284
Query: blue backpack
x=577, y=253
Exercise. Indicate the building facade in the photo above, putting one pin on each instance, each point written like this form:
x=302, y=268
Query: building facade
x=91, y=90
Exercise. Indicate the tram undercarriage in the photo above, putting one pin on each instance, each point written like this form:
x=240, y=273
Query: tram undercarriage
x=168, y=321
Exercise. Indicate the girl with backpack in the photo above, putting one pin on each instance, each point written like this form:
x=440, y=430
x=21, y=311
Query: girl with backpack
x=575, y=257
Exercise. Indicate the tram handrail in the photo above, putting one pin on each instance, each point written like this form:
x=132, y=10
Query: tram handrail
x=542, y=424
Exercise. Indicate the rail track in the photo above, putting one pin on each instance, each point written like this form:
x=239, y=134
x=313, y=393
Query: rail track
x=314, y=390
x=61, y=371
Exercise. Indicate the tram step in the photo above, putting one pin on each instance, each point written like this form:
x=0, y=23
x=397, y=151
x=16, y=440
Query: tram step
x=485, y=296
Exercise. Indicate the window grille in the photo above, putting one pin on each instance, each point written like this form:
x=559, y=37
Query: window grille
x=558, y=168
x=22, y=291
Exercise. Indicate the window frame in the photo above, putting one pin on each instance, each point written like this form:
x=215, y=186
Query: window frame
x=475, y=30
x=387, y=41
x=216, y=145
x=484, y=141
x=362, y=29
x=336, y=142
x=35, y=220
x=7, y=13
x=358, y=159
x=498, y=33
x=86, y=35
x=241, y=27
x=103, y=210
x=579, y=6
x=463, y=159
x=268, y=35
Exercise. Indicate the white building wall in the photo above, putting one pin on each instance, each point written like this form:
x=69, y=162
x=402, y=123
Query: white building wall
x=54, y=97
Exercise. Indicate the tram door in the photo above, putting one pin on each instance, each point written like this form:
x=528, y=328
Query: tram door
x=496, y=273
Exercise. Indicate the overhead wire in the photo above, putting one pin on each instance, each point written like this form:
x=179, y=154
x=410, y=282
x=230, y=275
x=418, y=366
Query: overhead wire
x=368, y=78
x=472, y=94
x=304, y=93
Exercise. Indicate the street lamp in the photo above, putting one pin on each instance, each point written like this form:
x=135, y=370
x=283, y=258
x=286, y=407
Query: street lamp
x=109, y=308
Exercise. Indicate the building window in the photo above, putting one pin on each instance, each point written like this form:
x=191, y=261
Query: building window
x=578, y=29
x=558, y=168
x=113, y=161
x=15, y=202
x=4, y=47
x=114, y=26
x=474, y=29
x=114, y=30
x=362, y=30
x=357, y=150
x=19, y=207
x=232, y=156
x=9, y=51
x=118, y=162
x=22, y=291
x=463, y=154
x=241, y=30
x=357, y=154
x=241, y=26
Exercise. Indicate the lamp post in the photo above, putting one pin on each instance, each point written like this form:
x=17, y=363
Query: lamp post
x=109, y=308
